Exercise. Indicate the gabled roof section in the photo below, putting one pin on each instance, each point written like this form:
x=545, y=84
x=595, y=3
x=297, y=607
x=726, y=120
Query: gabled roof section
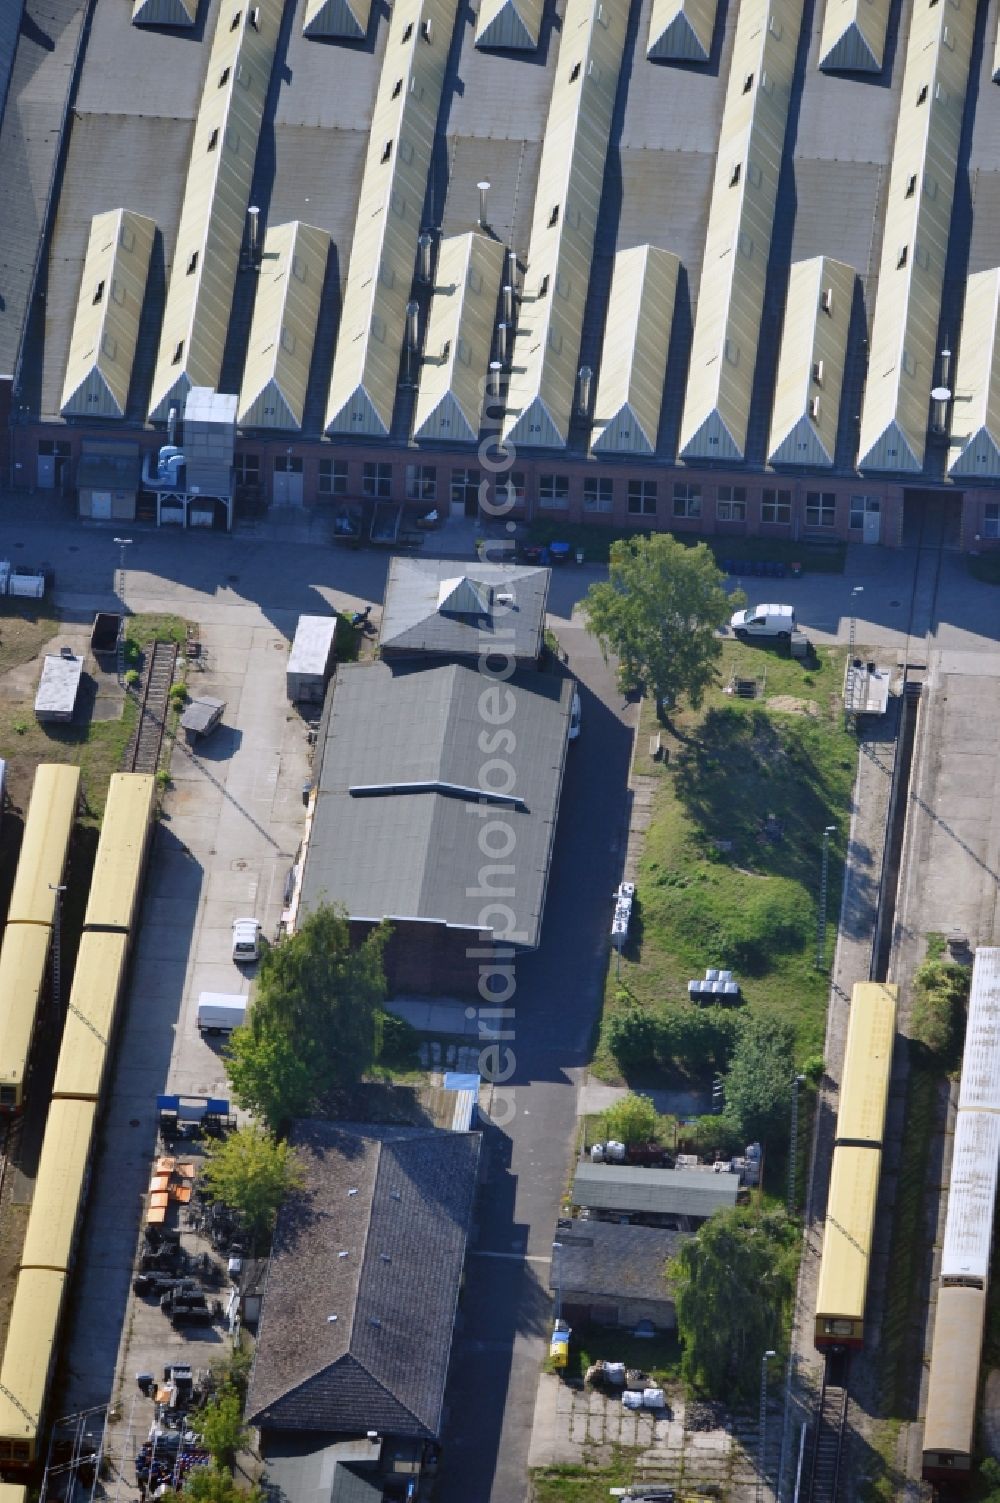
x=509, y=23
x=373, y=318
x=810, y=375
x=975, y=412
x=853, y=39
x=463, y=596
x=216, y=197
x=164, y=12
x=357, y=1318
x=459, y=339
x=106, y=326
x=337, y=18
x=915, y=238
x=740, y=224
x=567, y=200
x=508, y=601
x=681, y=30
x=634, y=355
x=289, y=288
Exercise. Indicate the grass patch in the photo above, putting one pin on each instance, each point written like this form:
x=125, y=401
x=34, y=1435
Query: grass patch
x=144, y=630
x=578, y=1484
x=24, y=631
x=730, y=871
x=596, y=540
x=660, y=1356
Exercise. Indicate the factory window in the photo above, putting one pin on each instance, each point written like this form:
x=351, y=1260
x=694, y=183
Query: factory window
x=991, y=520
x=642, y=498
x=387, y=151
x=247, y=468
x=731, y=503
x=178, y=352
x=377, y=480
x=553, y=490
x=408, y=32
x=554, y=216
x=99, y=292
x=776, y=507
x=687, y=500
x=421, y=482
x=598, y=493
x=860, y=505
x=821, y=508
x=224, y=77
x=922, y=94
x=213, y=139
x=193, y=263
x=397, y=88
x=574, y=73
x=333, y=477
x=510, y=492
x=236, y=20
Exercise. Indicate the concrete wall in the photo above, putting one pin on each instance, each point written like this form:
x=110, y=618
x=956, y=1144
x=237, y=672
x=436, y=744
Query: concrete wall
x=581, y=1309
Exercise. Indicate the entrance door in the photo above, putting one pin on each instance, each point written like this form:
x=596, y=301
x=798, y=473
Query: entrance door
x=464, y=493
x=873, y=519
x=100, y=505
x=287, y=481
x=46, y=472
x=53, y=464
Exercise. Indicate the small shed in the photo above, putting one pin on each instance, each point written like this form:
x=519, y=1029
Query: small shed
x=678, y=1197
x=58, y=687
x=107, y=479
x=311, y=660
x=615, y=1275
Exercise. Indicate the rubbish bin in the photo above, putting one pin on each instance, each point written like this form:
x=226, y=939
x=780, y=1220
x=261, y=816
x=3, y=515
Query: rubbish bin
x=796, y=570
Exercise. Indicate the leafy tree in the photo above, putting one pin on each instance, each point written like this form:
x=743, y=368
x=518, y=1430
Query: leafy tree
x=733, y=1282
x=634, y=1119
x=758, y=1083
x=219, y=1422
x=634, y=1038
x=252, y=1173
x=214, y=1484
x=313, y=1027
x=940, y=992
x=698, y=1038
x=658, y=612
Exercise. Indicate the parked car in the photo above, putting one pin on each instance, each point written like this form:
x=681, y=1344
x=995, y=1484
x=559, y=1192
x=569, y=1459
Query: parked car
x=774, y=621
x=246, y=940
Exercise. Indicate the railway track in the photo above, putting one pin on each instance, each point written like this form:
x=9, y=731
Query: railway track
x=829, y=1430
x=143, y=753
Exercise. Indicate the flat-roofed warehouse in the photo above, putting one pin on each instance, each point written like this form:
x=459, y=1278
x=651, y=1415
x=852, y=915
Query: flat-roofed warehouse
x=329, y=135
x=680, y=1196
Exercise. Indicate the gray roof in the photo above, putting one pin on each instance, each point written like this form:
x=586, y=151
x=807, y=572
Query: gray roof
x=677, y=1192
x=10, y=25
x=425, y=608
x=306, y=1468
x=376, y=1238
x=392, y=849
x=597, y=1258
x=109, y=467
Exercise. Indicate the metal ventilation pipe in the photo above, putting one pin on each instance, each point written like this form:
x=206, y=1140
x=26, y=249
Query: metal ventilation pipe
x=511, y=276
x=484, y=188
x=508, y=304
x=253, y=214
x=502, y=331
x=172, y=425
x=940, y=397
x=945, y=367
x=584, y=377
x=495, y=368
x=412, y=325
x=425, y=243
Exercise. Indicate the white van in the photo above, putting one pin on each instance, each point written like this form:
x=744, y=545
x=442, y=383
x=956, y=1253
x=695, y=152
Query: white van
x=221, y=1012
x=763, y=621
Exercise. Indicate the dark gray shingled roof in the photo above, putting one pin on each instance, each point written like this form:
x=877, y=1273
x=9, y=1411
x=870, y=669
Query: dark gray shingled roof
x=414, y=621
x=416, y=855
x=377, y=1239
x=604, y=1258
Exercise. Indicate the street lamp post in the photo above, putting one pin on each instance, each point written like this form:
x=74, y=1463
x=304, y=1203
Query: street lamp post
x=850, y=714
x=556, y=1277
x=762, y=1462
x=122, y=544
x=793, y=1145
x=57, y=945
x=821, y=918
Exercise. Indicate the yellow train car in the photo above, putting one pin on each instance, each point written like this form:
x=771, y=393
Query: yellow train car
x=23, y=959
x=47, y=830
x=950, y=1422
x=13, y=1492
x=864, y=1088
x=121, y=852
x=27, y=1363
x=60, y=1186
x=847, y=1245
x=88, y=1033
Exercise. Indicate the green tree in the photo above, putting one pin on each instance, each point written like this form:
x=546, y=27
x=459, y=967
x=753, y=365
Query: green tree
x=219, y=1422
x=214, y=1484
x=733, y=1282
x=658, y=612
x=313, y=1027
x=252, y=1173
x=758, y=1083
x=634, y=1119
x=940, y=992
x=633, y=1038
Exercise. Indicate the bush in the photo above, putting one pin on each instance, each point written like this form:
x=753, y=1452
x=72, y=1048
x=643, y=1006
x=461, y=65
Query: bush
x=400, y=1042
x=634, y=1119
x=814, y=1068
x=178, y=694
x=131, y=678
x=708, y=1136
x=634, y=1038
x=696, y=1038
x=940, y=992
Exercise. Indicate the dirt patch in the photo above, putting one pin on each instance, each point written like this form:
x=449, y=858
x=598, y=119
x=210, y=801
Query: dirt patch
x=793, y=706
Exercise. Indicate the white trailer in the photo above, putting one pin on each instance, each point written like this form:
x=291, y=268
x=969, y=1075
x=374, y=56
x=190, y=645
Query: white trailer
x=311, y=660
x=58, y=687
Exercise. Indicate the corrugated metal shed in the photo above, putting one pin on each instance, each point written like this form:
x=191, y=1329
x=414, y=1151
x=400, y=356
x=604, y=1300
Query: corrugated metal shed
x=115, y=887
x=810, y=374
x=975, y=413
x=864, y=1083
x=853, y=39
x=60, y=1185
x=968, y=1230
x=90, y=1017
x=337, y=18
x=950, y=1418
x=390, y=210
x=47, y=832
x=509, y=23
x=634, y=355
x=22, y=973
x=915, y=238
x=216, y=197
x=738, y=242
x=542, y=385
x=459, y=339
x=30, y=1351
x=285, y=313
x=106, y=326
x=980, y=1085
x=681, y=30
x=667, y=1192
x=847, y=1238
x=164, y=12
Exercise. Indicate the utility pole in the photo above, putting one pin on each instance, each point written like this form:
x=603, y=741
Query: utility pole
x=122, y=543
x=824, y=872
x=794, y=1143
x=762, y=1460
x=850, y=713
x=57, y=946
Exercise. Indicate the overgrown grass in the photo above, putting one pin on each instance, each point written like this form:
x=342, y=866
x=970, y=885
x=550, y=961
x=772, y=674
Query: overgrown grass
x=24, y=630
x=96, y=747
x=731, y=866
x=660, y=1356
x=578, y=1484
x=143, y=630
x=596, y=540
